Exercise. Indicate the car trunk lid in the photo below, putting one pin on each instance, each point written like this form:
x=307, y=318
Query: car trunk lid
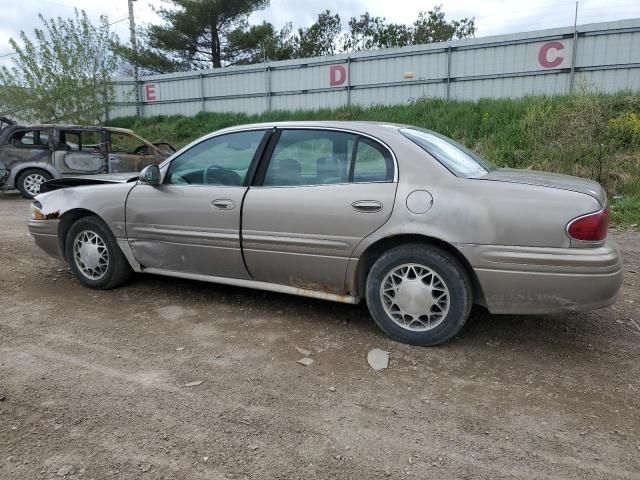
x=551, y=180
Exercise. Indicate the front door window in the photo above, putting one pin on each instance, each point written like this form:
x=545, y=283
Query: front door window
x=222, y=160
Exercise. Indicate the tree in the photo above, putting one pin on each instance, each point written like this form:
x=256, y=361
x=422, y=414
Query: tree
x=215, y=33
x=320, y=38
x=194, y=36
x=62, y=74
x=362, y=32
x=432, y=27
x=368, y=33
x=258, y=43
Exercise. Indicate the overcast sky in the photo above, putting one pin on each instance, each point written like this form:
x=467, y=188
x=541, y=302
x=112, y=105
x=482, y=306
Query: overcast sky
x=493, y=17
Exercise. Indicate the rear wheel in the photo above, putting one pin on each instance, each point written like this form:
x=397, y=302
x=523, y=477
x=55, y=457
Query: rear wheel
x=94, y=256
x=419, y=294
x=30, y=180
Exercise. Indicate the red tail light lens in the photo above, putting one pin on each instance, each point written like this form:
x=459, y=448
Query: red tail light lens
x=592, y=227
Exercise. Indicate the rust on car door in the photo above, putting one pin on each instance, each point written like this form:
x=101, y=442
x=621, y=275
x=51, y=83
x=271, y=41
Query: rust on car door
x=129, y=153
x=26, y=145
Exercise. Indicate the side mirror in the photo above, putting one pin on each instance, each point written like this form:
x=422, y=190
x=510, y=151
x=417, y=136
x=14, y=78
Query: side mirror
x=150, y=175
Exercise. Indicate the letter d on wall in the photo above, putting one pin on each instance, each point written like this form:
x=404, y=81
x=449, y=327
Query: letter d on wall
x=337, y=75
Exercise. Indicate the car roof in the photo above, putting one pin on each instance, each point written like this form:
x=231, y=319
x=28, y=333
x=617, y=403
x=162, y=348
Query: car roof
x=363, y=126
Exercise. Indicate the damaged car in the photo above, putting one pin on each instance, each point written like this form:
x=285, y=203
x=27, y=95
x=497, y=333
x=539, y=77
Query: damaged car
x=33, y=154
x=412, y=222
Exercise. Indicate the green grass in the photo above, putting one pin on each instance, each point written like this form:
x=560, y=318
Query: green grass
x=590, y=135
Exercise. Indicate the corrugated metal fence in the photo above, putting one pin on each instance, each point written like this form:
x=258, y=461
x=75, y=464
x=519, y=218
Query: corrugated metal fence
x=602, y=56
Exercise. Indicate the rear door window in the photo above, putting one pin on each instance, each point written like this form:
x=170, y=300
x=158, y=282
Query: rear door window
x=326, y=157
x=310, y=157
x=373, y=163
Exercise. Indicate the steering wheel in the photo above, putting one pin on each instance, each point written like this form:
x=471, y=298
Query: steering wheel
x=223, y=175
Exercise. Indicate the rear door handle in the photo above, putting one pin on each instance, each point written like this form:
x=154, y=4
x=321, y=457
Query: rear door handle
x=367, y=206
x=223, y=203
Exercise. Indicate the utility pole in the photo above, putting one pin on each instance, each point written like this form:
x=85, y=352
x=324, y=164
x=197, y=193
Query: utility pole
x=134, y=46
x=572, y=75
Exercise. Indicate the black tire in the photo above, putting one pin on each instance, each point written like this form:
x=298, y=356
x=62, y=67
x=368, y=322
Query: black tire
x=117, y=271
x=26, y=181
x=452, y=274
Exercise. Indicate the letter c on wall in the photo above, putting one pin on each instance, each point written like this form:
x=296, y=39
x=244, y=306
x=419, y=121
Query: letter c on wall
x=544, y=54
x=337, y=75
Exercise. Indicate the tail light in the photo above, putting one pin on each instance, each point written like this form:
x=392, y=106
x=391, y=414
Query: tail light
x=592, y=227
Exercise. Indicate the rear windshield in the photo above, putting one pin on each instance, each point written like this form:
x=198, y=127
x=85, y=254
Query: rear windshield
x=461, y=161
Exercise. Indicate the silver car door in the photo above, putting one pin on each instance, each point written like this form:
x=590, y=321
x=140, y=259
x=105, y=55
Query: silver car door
x=319, y=195
x=191, y=222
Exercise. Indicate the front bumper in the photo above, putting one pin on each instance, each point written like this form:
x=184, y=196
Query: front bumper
x=534, y=280
x=45, y=233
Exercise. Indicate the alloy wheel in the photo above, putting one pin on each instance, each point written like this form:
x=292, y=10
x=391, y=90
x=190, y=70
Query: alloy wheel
x=32, y=183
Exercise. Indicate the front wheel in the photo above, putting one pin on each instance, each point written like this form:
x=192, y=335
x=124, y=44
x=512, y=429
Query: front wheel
x=94, y=256
x=30, y=180
x=419, y=294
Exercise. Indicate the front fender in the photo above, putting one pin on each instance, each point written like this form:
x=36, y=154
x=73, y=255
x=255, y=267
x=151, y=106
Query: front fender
x=106, y=201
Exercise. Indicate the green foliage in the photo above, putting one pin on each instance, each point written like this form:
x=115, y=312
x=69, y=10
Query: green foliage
x=568, y=132
x=544, y=133
x=320, y=38
x=195, y=34
x=367, y=32
x=259, y=43
x=432, y=27
x=62, y=73
x=625, y=128
x=216, y=33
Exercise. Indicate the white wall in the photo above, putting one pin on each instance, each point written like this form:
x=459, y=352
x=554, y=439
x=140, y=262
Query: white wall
x=607, y=58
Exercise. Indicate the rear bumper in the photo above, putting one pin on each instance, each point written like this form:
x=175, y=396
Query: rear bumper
x=523, y=280
x=45, y=233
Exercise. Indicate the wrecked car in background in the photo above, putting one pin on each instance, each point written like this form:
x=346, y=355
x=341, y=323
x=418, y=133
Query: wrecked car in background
x=33, y=154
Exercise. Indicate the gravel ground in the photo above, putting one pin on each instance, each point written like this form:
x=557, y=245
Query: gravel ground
x=95, y=384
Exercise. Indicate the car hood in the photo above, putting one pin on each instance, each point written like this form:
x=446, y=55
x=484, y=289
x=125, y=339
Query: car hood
x=81, y=180
x=551, y=180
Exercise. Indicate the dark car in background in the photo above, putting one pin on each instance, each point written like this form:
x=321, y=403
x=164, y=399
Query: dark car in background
x=33, y=154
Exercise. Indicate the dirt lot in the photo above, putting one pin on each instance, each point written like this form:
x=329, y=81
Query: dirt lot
x=94, y=384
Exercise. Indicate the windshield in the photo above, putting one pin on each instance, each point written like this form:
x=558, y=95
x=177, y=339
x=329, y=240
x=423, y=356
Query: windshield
x=461, y=161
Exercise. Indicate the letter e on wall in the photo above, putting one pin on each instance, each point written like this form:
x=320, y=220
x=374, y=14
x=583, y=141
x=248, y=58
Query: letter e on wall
x=337, y=75
x=549, y=56
x=150, y=93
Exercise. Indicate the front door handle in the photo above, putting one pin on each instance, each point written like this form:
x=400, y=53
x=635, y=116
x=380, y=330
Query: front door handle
x=367, y=206
x=223, y=204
